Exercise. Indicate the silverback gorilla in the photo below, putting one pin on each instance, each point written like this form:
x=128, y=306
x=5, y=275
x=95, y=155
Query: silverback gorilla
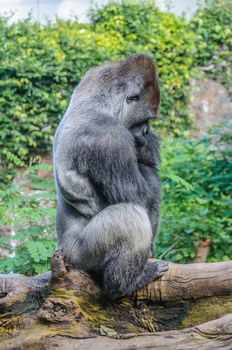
x=105, y=165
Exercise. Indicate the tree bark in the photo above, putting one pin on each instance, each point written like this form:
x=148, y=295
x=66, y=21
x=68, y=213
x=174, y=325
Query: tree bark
x=65, y=308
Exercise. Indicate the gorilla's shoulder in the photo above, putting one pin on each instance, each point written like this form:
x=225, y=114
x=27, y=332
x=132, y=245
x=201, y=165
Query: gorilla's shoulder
x=103, y=133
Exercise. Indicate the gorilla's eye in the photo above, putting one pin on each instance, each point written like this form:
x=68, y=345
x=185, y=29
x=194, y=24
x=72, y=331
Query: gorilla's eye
x=130, y=99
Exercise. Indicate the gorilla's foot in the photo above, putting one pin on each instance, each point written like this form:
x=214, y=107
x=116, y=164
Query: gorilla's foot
x=152, y=270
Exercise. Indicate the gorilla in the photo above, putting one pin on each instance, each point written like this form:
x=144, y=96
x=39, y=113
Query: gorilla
x=105, y=167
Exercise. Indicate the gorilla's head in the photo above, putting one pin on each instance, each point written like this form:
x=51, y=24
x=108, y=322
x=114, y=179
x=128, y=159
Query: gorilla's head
x=137, y=86
x=127, y=89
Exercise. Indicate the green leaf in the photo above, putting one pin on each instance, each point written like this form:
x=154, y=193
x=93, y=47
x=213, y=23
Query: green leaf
x=107, y=331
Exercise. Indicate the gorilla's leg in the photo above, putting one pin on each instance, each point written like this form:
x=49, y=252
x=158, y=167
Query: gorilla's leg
x=125, y=273
x=116, y=243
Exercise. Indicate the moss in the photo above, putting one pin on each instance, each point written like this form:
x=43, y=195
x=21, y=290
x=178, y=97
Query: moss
x=206, y=310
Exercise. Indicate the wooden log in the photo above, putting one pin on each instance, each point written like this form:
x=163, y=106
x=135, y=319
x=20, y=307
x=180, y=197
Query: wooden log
x=213, y=335
x=191, y=281
x=180, y=282
x=59, y=308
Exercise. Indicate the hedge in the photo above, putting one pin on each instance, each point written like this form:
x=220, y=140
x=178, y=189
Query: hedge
x=41, y=64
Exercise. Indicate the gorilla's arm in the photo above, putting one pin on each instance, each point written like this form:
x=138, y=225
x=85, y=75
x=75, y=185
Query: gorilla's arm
x=112, y=166
x=148, y=152
x=148, y=160
x=115, y=168
x=79, y=192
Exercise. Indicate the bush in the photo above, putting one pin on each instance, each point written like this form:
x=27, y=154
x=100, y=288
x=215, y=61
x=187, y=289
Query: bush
x=197, y=183
x=33, y=217
x=213, y=27
x=41, y=64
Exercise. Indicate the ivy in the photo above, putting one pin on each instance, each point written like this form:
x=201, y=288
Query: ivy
x=41, y=64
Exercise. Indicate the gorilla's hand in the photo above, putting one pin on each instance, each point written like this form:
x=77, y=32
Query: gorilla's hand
x=147, y=147
x=140, y=133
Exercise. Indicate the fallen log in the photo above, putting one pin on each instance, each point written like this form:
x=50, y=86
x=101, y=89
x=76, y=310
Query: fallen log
x=212, y=335
x=65, y=308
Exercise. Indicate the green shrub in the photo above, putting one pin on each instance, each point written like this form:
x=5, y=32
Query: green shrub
x=33, y=218
x=41, y=64
x=197, y=184
x=213, y=27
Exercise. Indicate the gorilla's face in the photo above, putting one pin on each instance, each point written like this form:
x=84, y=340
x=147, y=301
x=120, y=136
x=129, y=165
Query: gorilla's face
x=141, y=102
